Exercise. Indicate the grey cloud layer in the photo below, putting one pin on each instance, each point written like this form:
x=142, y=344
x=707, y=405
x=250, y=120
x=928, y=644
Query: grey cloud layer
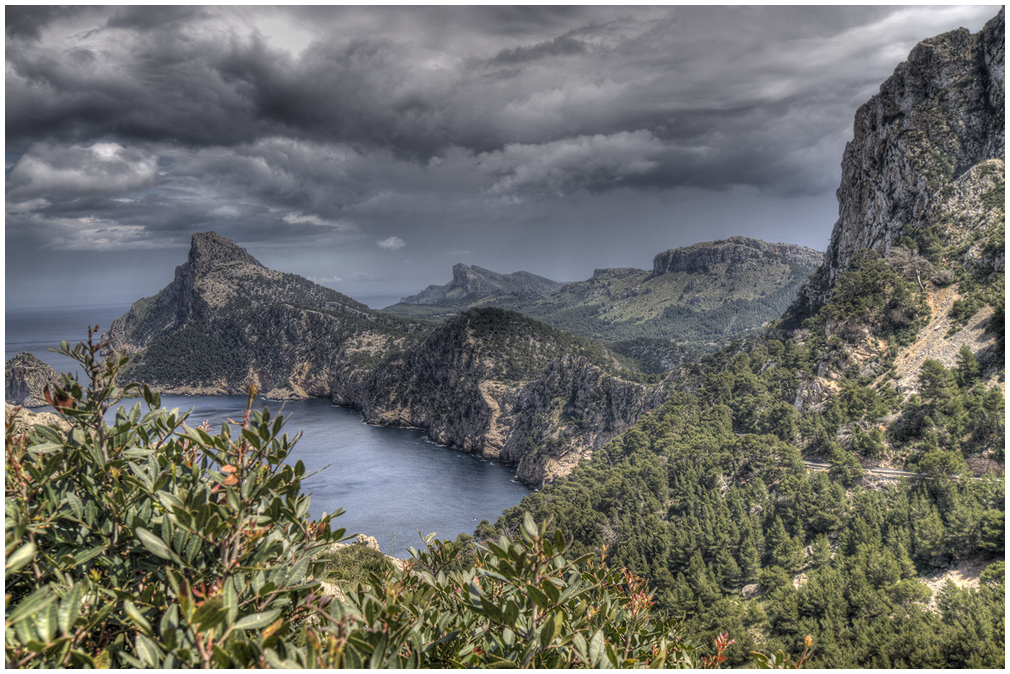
x=392, y=129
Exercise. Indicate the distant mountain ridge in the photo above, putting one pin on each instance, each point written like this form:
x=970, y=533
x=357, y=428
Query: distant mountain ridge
x=468, y=281
x=699, y=296
x=703, y=258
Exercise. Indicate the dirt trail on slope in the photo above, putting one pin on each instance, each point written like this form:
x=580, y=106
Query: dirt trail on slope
x=933, y=342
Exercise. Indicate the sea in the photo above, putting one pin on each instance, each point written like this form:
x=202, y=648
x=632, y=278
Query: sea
x=392, y=483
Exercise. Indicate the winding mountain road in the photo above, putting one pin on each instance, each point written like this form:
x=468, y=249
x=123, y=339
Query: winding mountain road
x=886, y=472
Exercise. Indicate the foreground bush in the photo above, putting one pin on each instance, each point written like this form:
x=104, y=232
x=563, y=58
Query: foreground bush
x=148, y=543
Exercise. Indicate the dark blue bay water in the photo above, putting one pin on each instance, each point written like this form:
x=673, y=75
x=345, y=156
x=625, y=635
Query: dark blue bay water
x=391, y=482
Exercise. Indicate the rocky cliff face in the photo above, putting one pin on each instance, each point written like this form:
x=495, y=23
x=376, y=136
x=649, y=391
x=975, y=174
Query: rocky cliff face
x=501, y=385
x=476, y=281
x=923, y=185
x=937, y=116
x=738, y=251
x=25, y=378
x=544, y=427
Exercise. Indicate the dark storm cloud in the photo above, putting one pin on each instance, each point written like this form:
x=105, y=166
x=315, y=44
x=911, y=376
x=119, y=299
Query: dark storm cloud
x=160, y=74
x=559, y=46
x=28, y=22
x=408, y=131
x=155, y=18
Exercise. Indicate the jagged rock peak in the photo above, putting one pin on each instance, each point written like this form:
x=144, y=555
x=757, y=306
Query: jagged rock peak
x=209, y=249
x=937, y=116
x=701, y=258
x=467, y=280
x=25, y=377
x=479, y=280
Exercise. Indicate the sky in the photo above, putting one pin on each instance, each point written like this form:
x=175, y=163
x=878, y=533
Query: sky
x=371, y=148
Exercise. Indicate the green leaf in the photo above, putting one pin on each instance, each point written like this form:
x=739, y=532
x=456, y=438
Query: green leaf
x=70, y=608
x=148, y=652
x=88, y=555
x=209, y=613
x=529, y=526
x=580, y=645
x=257, y=620
x=230, y=600
x=137, y=617
x=156, y=546
x=511, y=612
x=46, y=622
x=19, y=559
x=551, y=590
x=538, y=597
x=551, y=629
x=75, y=505
x=33, y=603
x=169, y=501
x=43, y=448
x=596, y=649
x=298, y=571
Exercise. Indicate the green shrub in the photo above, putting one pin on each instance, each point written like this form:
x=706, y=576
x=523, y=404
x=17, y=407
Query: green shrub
x=353, y=564
x=147, y=543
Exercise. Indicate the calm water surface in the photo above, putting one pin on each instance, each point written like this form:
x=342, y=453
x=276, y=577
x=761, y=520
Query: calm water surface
x=391, y=482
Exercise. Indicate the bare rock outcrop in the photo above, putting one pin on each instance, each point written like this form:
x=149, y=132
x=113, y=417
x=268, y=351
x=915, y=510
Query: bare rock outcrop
x=738, y=251
x=25, y=378
x=21, y=420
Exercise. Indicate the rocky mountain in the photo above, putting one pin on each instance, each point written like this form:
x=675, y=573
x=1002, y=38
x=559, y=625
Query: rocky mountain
x=25, y=378
x=486, y=381
x=899, y=337
x=934, y=130
x=698, y=297
x=739, y=252
x=922, y=188
x=473, y=283
x=226, y=322
x=765, y=485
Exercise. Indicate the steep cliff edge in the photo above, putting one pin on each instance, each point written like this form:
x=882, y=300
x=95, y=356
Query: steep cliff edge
x=912, y=287
x=940, y=114
x=499, y=384
x=738, y=251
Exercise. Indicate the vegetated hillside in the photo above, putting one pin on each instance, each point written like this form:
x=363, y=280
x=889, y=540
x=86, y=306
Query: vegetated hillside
x=893, y=356
x=694, y=299
x=490, y=381
x=133, y=540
